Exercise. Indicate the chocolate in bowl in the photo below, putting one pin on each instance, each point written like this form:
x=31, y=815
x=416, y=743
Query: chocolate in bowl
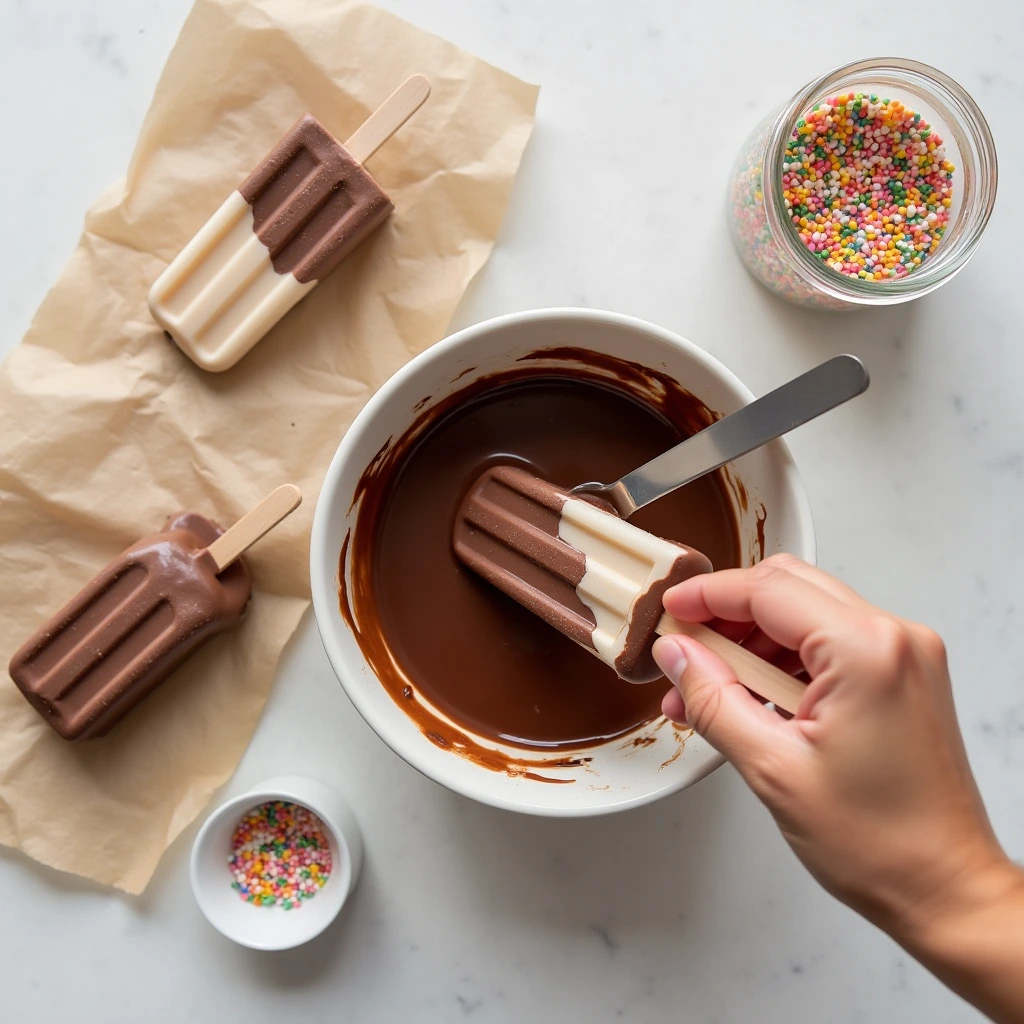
x=642, y=766
x=438, y=638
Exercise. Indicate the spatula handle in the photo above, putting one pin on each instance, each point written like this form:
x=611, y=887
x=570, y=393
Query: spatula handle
x=797, y=402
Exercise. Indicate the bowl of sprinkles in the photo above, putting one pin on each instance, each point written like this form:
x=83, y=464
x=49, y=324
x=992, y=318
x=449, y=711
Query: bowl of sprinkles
x=271, y=868
x=872, y=186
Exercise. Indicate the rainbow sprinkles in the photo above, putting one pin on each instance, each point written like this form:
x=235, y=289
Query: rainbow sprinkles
x=867, y=185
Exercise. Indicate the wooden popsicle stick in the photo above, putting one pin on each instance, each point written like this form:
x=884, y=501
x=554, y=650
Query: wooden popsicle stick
x=765, y=679
x=388, y=118
x=265, y=516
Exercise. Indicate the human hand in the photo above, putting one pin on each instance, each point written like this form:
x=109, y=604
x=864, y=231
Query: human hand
x=869, y=782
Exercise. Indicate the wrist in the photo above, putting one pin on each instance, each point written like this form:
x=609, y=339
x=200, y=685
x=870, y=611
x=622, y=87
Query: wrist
x=973, y=939
x=985, y=891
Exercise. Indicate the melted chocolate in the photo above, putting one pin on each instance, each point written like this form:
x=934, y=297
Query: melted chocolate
x=433, y=631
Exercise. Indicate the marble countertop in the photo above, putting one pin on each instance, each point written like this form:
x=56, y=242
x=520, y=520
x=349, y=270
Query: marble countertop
x=693, y=909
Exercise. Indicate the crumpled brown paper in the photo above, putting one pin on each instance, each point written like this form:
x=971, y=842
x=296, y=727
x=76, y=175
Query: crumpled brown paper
x=105, y=428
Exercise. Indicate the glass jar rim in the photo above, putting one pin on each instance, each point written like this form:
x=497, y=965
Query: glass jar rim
x=974, y=139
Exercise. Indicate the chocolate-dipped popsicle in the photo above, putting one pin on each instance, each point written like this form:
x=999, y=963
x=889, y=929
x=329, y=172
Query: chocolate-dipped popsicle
x=591, y=575
x=595, y=577
x=307, y=205
x=140, y=618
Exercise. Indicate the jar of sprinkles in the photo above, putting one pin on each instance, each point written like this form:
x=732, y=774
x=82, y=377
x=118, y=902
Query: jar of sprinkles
x=871, y=186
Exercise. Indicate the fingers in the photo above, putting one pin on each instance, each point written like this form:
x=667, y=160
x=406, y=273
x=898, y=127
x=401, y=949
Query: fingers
x=673, y=708
x=713, y=702
x=839, y=590
x=788, y=607
x=754, y=639
x=737, y=632
x=758, y=642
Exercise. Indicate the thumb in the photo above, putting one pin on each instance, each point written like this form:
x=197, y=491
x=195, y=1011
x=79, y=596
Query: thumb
x=717, y=706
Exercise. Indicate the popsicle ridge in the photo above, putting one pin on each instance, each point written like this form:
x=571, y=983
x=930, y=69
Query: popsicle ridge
x=628, y=572
x=507, y=532
x=312, y=202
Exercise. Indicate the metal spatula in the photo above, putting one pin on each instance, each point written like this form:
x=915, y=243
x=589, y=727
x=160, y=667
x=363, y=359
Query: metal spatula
x=780, y=411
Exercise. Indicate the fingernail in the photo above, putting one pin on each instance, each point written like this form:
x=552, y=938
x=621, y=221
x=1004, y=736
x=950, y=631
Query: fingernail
x=670, y=658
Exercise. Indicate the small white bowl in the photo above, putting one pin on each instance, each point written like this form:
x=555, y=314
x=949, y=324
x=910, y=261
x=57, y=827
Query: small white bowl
x=274, y=927
x=618, y=774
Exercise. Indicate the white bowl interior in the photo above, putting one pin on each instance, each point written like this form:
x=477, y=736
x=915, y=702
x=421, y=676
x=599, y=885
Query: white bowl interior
x=272, y=928
x=621, y=773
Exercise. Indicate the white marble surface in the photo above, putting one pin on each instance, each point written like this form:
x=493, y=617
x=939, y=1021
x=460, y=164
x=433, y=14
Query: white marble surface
x=691, y=910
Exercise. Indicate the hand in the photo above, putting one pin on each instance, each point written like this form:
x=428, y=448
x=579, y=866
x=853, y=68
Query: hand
x=869, y=782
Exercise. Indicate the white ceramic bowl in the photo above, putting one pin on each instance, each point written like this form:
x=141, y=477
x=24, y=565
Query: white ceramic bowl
x=273, y=927
x=620, y=774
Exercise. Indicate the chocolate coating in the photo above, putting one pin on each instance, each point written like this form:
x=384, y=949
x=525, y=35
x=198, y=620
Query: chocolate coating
x=129, y=628
x=506, y=531
x=636, y=663
x=312, y=203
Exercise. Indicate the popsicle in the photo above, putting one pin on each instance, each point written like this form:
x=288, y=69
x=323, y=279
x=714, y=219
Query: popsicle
x=307, y=205
x=140, y=618
x=591, y=575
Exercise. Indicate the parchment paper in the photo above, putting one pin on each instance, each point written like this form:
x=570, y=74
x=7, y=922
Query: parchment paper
x=105, y=428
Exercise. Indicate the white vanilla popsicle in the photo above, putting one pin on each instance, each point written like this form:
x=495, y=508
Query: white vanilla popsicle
x=307, y=205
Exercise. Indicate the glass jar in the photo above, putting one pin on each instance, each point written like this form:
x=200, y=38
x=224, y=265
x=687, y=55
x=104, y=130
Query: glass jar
x=761, y=223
